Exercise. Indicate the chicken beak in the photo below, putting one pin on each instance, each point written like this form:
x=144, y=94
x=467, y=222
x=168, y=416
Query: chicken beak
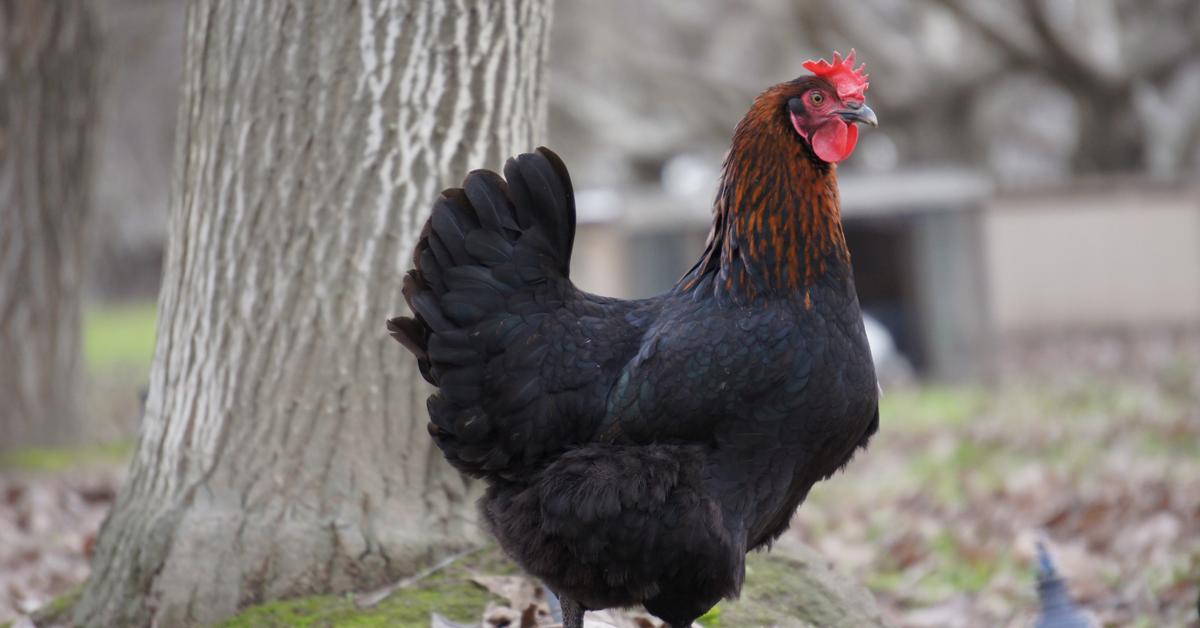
x=858, y=112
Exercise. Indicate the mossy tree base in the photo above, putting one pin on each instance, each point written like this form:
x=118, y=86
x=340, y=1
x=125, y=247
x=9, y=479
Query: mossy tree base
x=790, y=586
x=793, y=586
x=58, y=611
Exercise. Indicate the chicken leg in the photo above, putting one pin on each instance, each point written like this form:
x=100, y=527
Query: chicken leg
x=572, y=613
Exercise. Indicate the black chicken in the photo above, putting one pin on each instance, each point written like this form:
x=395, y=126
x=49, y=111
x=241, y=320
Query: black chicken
x=636, y=450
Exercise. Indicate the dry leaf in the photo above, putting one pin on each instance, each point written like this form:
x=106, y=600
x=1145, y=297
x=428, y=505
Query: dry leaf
x=495, y=615
x=520, y=591
x=438, y=621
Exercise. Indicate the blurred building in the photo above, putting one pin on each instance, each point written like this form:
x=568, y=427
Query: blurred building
x=961, y=273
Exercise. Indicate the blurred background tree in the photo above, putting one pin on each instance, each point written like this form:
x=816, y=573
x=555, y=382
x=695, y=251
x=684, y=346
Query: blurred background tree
x=141, y=71
x=283, y=448
x=1033, y=91
x=1047, y=88
x=47, y=119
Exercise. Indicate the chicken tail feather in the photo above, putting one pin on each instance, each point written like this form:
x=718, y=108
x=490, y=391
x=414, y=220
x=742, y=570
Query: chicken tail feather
x=492, y=262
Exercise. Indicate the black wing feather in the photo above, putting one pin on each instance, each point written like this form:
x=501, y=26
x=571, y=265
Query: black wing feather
x=499, y=327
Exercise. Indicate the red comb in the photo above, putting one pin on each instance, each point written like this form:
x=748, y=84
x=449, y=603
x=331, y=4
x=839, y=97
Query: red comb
x=850, y=83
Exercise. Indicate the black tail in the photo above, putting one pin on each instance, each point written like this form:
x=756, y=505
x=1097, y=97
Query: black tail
x=491, y=262
x=1058, y=609
x=476, y=227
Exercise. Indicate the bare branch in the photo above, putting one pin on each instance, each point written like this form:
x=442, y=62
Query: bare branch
x=1002, y=32
x=1064, y=61
x=1156, y=62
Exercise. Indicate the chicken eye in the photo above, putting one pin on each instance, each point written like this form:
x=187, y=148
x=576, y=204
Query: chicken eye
x=817, y=98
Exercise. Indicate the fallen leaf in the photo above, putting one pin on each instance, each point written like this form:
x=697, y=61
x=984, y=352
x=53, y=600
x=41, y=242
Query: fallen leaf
x=520, y=591
x=438, y=621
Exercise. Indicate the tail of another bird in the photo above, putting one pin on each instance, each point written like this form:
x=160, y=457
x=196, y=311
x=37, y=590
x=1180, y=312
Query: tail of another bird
x=1058, y=610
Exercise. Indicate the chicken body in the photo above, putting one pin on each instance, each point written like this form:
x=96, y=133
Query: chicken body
x=713, y=433
x=636, y=450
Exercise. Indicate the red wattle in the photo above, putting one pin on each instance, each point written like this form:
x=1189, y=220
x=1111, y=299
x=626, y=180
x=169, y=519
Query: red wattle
x=834, y=141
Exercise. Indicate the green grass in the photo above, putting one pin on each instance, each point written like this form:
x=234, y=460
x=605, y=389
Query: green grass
x=54, y=459
x=458, y=602
x=118, y=336
x=118, y=346
x=711, y=619
x=928, y=406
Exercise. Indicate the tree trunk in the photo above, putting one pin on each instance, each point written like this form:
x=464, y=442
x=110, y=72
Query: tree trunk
x=47, y=99
x=284, y=449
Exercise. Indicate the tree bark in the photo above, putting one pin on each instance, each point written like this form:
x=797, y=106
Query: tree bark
x=47, y=111
x=284, y=450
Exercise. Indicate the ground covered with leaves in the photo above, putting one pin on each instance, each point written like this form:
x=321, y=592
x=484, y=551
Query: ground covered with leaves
x=941, y=515
x=51, y=506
